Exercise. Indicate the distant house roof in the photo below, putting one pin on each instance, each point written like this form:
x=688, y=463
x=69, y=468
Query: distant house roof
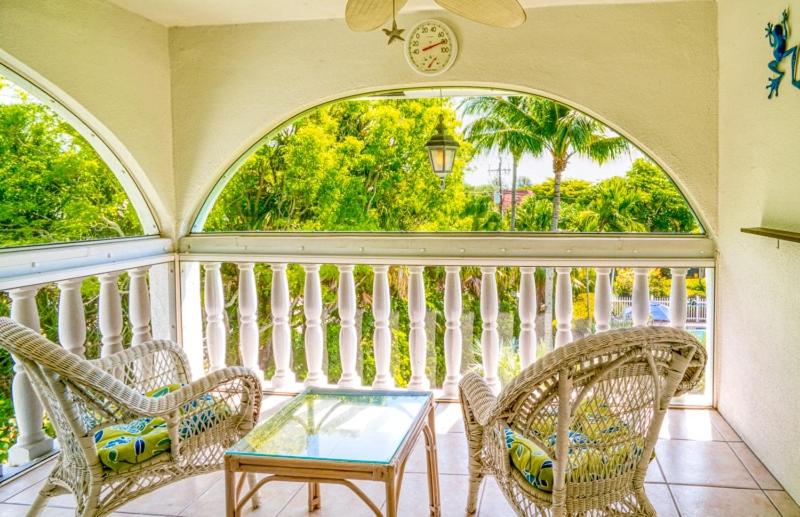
x=506, y=198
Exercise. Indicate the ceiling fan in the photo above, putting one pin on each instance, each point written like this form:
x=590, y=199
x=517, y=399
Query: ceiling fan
x=367, y=15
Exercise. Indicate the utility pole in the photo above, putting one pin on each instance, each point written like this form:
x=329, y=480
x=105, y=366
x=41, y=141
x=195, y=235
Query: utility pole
x=500, y=171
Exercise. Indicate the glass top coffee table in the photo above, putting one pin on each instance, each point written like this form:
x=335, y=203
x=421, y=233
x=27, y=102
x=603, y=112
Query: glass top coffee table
x=335, y=436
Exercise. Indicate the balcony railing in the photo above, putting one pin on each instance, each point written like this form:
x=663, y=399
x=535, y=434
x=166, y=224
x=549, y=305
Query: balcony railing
x=191, y=306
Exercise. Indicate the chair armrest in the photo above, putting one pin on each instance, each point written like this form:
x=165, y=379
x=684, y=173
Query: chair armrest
x=148, y=366
x=478, y=396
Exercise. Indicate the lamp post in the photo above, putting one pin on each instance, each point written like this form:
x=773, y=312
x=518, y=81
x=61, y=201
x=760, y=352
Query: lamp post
x=442, y=151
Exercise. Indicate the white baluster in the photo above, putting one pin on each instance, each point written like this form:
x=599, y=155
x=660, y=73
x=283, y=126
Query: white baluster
x=191, y=309
x=139, y=306
x=31, y=440
x=677, y=298
x=452, y=332
x=71, y=316
x=281, y=333
x=417, y=337
x=348, y=339
x=312, y=308
x=382, y=336
x=563, y=306
x=110, y=314
x=641, y=297
x=602, y=299
x=527, y=316
x=215, y=321
x=248, y=318
x=490, y=340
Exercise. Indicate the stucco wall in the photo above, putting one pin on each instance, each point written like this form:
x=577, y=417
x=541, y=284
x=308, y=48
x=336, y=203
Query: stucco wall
x=114, y=65
x=758, y=291
x=650, y=70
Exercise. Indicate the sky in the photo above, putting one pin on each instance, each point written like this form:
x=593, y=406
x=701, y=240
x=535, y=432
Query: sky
x=538, y=169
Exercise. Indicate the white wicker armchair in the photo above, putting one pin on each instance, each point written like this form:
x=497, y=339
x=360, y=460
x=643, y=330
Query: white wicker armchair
x=82, y=397
x=632, y=373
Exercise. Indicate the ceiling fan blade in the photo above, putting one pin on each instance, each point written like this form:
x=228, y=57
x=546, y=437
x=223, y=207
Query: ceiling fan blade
x=368, y=15
x=497, y=13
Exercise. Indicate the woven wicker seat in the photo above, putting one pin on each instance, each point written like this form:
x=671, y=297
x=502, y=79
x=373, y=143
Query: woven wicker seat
x=632, y=373
x=82, y=397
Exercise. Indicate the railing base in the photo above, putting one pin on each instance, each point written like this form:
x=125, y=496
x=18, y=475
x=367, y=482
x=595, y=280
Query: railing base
x=20, y=454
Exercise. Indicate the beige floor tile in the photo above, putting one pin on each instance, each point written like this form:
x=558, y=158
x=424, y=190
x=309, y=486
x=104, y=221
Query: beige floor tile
x=28, y=495
x=728, y=433
x=653, y=474
x=755, y=467
x=449, y=418
x=414, y=495
x=19, y=510
x=173, y=498
x=337, y=501
x=703, y=501
x=451, y=452
x=661, y=500
x=25, y=480
x=689, y=424
x=274, y=497
x=784, y=503
x=702, y=463
x=492, y=502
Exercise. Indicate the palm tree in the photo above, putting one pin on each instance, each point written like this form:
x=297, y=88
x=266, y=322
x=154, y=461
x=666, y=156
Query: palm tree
x=610, y=209
x=534, y=125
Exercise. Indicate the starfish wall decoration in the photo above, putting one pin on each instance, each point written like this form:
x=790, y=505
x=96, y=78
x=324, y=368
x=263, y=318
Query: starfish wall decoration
x=394, y=33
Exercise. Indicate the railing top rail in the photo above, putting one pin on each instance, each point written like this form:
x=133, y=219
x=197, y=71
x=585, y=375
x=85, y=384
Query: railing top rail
x=453, y=249
x=47, y=264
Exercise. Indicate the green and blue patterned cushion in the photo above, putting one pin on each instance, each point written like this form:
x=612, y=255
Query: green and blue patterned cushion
x=122, y=445
x=594, y=425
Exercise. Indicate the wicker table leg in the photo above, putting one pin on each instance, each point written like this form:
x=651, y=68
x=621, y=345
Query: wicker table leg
x=314, y=497
x=230, y=489
x=433, y=464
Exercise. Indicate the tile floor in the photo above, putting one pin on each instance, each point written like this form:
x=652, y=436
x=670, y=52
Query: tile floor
x=702, y=469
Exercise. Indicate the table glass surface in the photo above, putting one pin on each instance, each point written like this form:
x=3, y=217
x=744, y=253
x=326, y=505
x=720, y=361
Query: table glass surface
x=337, y=425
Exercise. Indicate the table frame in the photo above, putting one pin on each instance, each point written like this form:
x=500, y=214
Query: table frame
x=316, y=471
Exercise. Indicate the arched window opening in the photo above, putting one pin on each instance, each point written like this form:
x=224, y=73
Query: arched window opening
x=524, y=163
x=56, y=186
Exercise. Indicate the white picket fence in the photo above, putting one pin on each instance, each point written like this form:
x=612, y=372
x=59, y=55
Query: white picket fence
x=696, y=307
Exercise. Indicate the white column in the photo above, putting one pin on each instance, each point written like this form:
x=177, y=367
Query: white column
x=417, y=337
x=490, y=341
x=602, y=299
x=110, y=314
x=281, y=333
x=382, y=336
x=527, y=316
x=677, y=298
x=452, y=331
x=163, y=302
x=563, y=306
x=641, y=297
x=215, y=320
x=312, y=308
x=31, y=440
x=71, y=317
x=191, y=307
x=248, y=318
x=348, y=338
x=139, y=306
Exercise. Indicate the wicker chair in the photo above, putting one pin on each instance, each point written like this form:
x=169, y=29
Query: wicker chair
x=82, y=397
x=634, y=372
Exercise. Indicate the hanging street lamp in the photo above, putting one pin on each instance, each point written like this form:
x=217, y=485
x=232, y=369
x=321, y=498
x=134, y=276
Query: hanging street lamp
x=442, y=151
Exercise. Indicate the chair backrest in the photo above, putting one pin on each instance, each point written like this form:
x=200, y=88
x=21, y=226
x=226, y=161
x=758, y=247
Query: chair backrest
x=596, y=405
x=78, y=397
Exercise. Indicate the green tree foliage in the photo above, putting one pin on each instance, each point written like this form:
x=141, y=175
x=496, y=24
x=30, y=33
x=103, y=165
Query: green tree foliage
x=53, y=186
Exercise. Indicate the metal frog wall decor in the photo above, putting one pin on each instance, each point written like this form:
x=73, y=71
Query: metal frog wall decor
x=778, y=36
